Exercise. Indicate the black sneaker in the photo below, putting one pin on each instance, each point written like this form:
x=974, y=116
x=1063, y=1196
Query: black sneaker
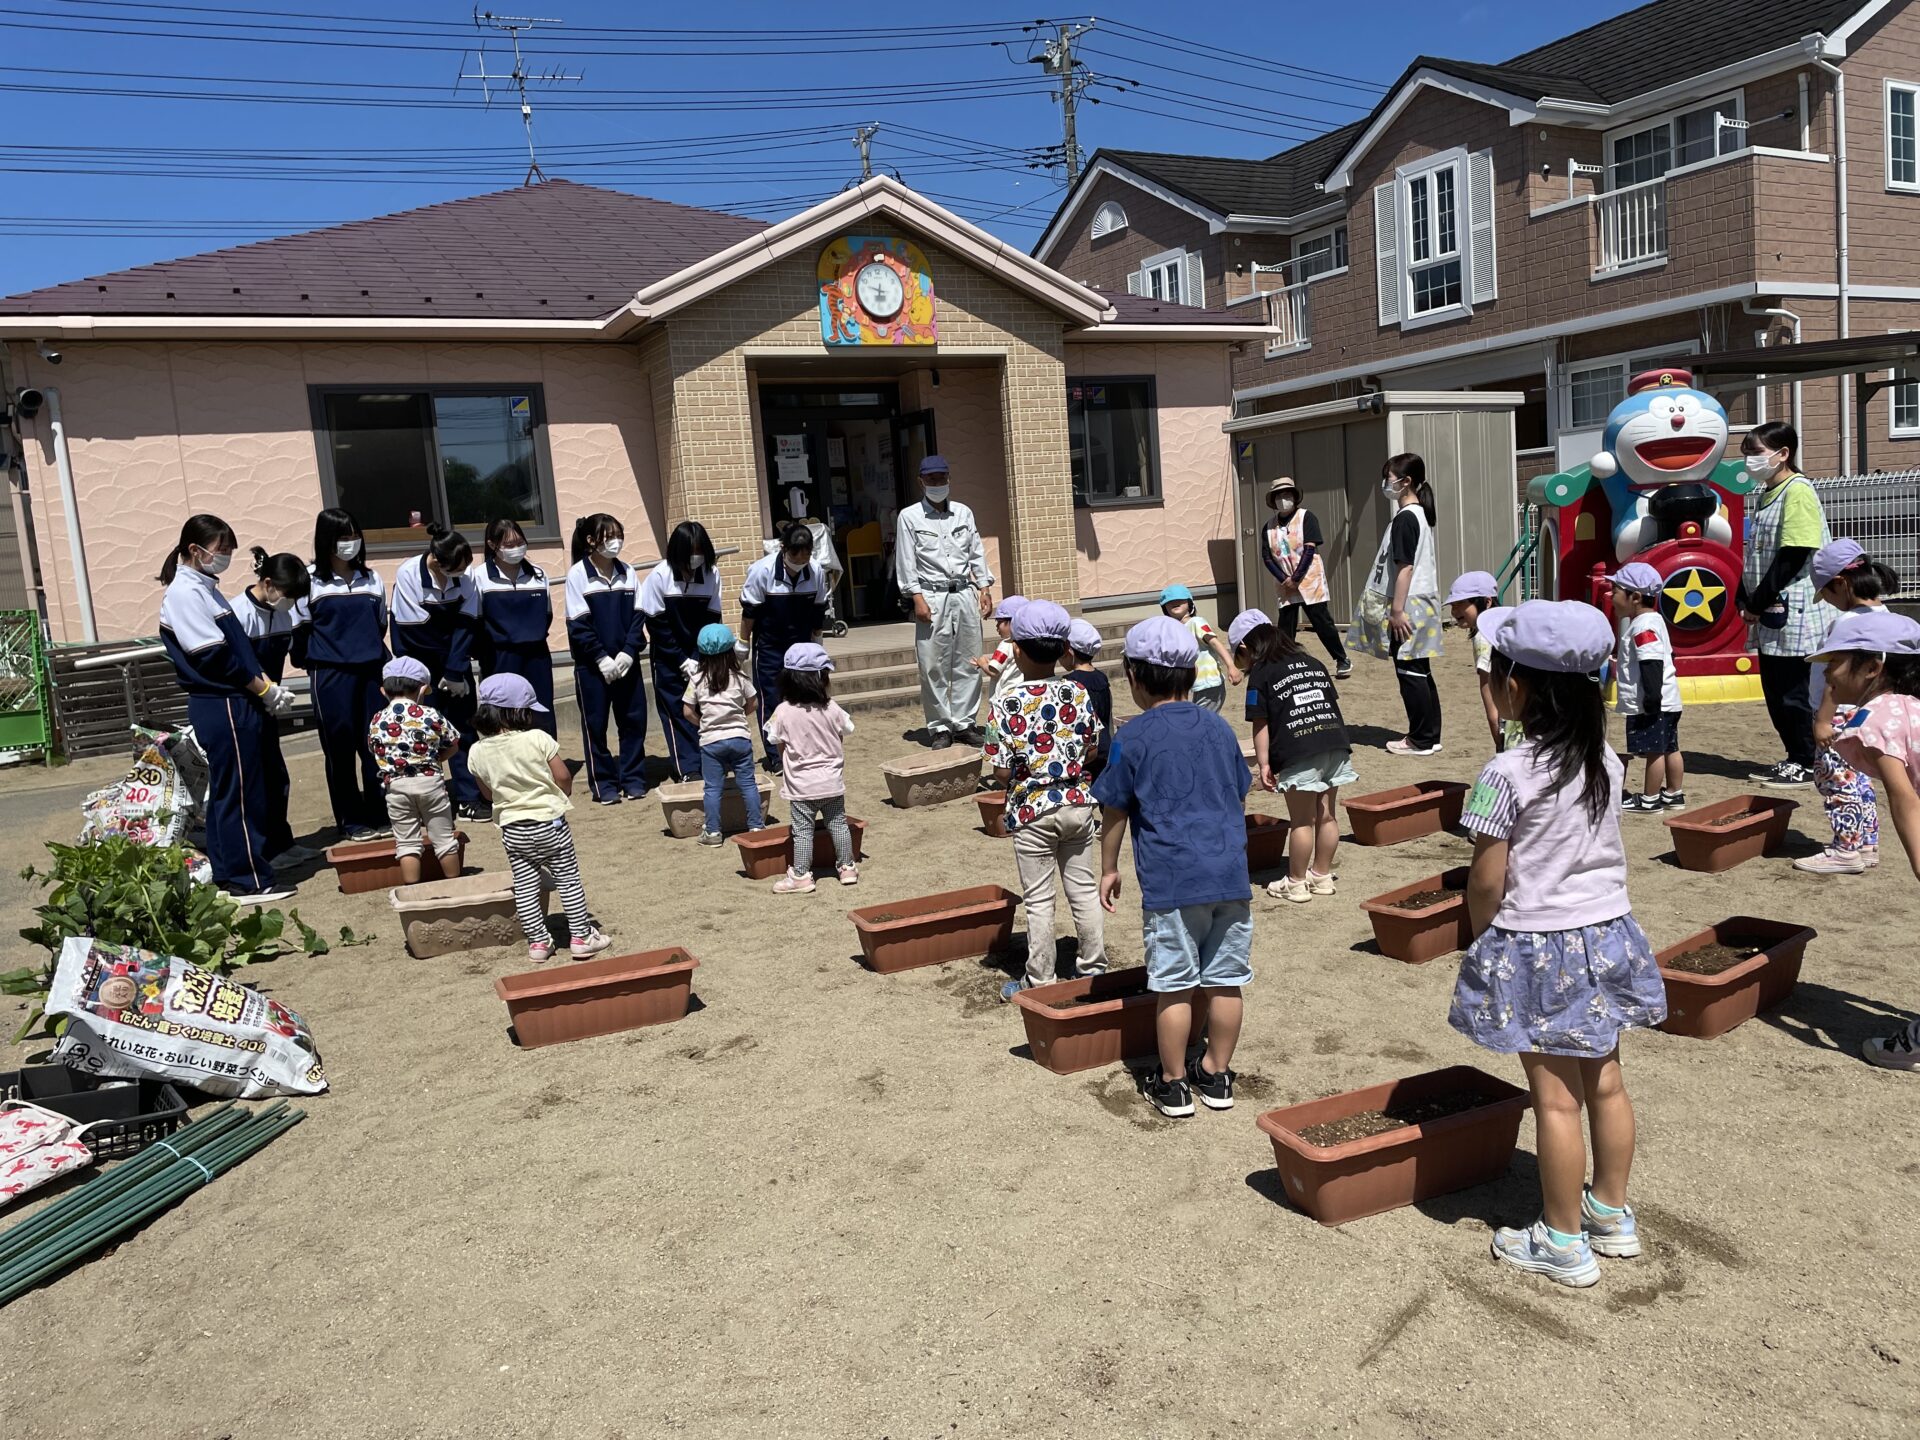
x=1642, y=805
x=974, y=735
x=1674, y=799
x=1170, y=1097
x=1786, y=775
x=473, y=812
x=1343, y=672
x=942, y=740
x=1215, y=1091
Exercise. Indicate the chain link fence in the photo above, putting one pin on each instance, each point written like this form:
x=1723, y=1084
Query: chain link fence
x=1882, y=512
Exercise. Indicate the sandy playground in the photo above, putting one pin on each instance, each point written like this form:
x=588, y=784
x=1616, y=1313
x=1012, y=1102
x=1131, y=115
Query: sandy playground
x=835, y=1203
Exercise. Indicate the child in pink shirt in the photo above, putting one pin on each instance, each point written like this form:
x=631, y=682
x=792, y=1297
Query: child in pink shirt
x=811, y=731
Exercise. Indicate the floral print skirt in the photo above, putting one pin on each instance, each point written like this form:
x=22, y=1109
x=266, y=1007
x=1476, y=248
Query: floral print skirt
x=1558, y=992
x=1372, y=634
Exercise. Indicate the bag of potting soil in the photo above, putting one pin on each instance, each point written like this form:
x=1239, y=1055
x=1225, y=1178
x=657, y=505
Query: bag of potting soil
x=151, y=803
x=132, y=1013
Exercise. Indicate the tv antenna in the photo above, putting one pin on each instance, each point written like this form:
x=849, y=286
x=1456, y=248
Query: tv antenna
x=513, y=26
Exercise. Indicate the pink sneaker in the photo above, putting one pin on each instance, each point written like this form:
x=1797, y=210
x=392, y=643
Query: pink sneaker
x=1833, y=862
x=539, y=954
x=849, y=874
x=793, y=883
x=591, y=944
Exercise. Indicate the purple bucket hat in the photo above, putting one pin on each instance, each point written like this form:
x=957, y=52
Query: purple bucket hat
x=1244, y=624
x=1876, y=632
x=1474, y=585
x=1640, y=578
x=1834, y=559
x=1162, y=640
x=1041, y=620
x=1567, y=636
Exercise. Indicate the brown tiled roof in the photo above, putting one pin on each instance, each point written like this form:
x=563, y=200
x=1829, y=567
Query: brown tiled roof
x=556, y=250
x=1145, y=310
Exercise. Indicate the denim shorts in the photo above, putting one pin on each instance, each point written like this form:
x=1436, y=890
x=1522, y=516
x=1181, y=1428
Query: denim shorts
x=1657, y=734
x=1199, y=945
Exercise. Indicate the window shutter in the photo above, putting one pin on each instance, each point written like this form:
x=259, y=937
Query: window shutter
x=1386, y=249
x=1136, y=283
x=1193, y=286
x=1480, y=203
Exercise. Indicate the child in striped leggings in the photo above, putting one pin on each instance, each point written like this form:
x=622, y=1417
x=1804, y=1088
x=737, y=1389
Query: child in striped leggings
x=520, y=771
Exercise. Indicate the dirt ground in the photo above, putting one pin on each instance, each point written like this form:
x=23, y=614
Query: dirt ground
x=836, y=1203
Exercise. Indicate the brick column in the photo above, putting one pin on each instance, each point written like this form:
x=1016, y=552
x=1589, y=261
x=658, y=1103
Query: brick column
x=1040, y=520
x=713, y=476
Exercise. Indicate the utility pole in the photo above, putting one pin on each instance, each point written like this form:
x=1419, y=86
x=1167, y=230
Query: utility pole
x=1057, y=58
x=863, y=141
x=512, y=26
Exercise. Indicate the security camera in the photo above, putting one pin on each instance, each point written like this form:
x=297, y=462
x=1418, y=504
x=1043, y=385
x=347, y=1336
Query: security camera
x=49, y=354
x=27, y=403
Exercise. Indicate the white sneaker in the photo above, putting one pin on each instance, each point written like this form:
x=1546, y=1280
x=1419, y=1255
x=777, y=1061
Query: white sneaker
x=1533, y=1251
x=267, y=896
x=590, y=944
x=1406, y=748
x=1321, y=884
x=1899, y=1051
x=1287, y=888
x=1833, y=862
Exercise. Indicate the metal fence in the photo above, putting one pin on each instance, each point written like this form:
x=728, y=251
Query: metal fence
x=1882, y=512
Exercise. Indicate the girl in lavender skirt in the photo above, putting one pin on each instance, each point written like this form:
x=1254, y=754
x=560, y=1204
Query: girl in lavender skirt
x=1558, y=968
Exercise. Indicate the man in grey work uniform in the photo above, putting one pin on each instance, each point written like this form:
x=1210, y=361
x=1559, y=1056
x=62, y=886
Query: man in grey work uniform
x=942, y=570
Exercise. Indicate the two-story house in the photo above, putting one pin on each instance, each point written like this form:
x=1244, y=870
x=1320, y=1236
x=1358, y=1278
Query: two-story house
x=1691, y=176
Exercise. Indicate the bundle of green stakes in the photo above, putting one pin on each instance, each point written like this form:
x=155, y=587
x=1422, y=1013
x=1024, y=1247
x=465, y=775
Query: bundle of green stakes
x=130, y=1194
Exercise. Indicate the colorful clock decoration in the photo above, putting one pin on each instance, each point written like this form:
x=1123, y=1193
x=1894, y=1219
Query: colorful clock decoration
x=875, y=290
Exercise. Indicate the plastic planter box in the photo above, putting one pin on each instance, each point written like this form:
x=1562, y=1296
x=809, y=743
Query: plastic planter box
x=1388, y=817
x=137, y=1112
x=934, y=779
x=1699, y=844
x=1418, y=936
x=1363, y=1177
x=371, y=864
x=1096, y=1020
x=472, y=912
x=933, y=929
x=683, y=806
x=597, y=997
x=993, y=812
x=1703, y=1006
x=1267, y=842
x=767, y=854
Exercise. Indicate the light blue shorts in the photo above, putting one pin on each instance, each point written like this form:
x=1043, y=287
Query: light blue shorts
x=1197, y=945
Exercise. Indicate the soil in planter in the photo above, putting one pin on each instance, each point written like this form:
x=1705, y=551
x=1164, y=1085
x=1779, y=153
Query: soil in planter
x=1726, y=821
x=1425, y=898
x=1396, y=1117
x=885, y=917
x=1711, y=959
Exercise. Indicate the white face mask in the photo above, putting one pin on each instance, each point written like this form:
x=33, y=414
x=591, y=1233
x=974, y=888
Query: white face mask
x=611, y=548
x=938, y=493
x=215, y=564
x=1390, y=488
x=454, y=576
x=347, y=549
x=1287, y=507
x=513, y=554
x=283, y=604
x=1762, y=467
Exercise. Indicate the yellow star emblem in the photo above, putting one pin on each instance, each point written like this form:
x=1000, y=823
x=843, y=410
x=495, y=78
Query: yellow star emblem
x=1693, y=596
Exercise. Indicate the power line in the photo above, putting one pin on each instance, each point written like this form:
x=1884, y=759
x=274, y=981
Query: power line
x=1159, y=40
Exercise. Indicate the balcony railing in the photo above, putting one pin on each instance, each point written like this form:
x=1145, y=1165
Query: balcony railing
x=1632, y=224
x=1290, y=315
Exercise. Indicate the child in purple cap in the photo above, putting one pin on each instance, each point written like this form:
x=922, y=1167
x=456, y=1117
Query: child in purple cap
x=519, y=769
x=1851, y=581
x=811, y=731
x=411, y=743
x=1470, y=597
x=1558, y=968
x=1647, y=690
x=1873, y=666
x=997, y=666
x=1041, y=732
x=1176, y=775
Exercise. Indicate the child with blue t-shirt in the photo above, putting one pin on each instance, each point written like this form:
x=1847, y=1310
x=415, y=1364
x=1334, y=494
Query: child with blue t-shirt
x=1176, y=775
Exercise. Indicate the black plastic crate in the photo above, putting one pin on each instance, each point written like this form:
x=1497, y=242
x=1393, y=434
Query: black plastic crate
x=139, y=1112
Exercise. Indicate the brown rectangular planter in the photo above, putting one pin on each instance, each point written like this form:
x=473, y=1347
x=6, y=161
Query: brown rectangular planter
x=683, y=806
x=932, y=779
x=1267, y=842
x=993, y=812
x=766, y=854
x=597, y=997
x=1703, y=1006
x=1388, y=817
x=471, y=912
x=933, y=929
x=1699, y=844
x=367, y=865
x=1338, y=1183
x=1096, y=1020
x=1418, y=936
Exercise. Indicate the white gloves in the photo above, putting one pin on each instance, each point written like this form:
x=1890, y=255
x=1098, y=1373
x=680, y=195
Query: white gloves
x=624, y=665
x=609, y=668
x=455, y=687
x=278, y=699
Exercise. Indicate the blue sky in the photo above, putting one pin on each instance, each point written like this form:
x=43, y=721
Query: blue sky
x=316, y=116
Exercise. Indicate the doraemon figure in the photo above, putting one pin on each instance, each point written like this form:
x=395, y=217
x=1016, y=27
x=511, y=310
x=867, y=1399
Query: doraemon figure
x=1662, y=443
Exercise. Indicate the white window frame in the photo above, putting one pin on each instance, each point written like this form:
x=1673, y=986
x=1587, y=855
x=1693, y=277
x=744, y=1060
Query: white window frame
x=1732, y=104
x=1910, y=392
x=1455, y=162
x=1337, y=246
x=1167, y=262
x=1908, y=88
x=1626, y=364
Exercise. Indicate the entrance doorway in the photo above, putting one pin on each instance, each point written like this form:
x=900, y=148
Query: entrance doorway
x=847, y=457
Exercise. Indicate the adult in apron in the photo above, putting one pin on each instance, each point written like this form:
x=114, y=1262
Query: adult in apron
x=1399, y=615
x=940, y=566
x=679, y=598
x=436, y=619
x=607, y=633
x=265, y=613
x=1777, y=596
x=783, y=602
x=1291, y=550
x=229, y=700
x=340, y=640
x=516, y=616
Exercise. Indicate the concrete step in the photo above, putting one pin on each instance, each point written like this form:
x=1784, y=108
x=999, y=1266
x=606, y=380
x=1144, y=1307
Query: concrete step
x=846, y=661
x=900, y=684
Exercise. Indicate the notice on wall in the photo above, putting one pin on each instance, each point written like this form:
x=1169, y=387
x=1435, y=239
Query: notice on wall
x=836, y=453
x=790, y=459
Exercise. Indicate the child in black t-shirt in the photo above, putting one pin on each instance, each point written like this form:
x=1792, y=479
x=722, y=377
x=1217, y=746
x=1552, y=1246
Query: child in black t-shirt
x=1300, y=745
x=1084, y=641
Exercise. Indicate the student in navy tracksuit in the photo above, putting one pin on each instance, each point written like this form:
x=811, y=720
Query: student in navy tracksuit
x=436, y=619
x=606, y=633
x=265, y=613
x=340, y=640
x=516, y=614
x=229, y=698
x=680, y=597
x=783, y=602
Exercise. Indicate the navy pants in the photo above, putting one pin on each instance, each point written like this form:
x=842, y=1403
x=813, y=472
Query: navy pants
x=230, y=729
x=459, y=710
x=275, y=829
x=625, y=703
x=769, y=663
x=536, y=668
x=344, y=704
x=681, y=734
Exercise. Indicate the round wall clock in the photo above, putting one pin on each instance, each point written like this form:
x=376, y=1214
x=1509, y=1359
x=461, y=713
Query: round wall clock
x=880, y=291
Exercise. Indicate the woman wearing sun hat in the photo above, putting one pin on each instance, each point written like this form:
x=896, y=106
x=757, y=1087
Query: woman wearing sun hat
x=1290, y=549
